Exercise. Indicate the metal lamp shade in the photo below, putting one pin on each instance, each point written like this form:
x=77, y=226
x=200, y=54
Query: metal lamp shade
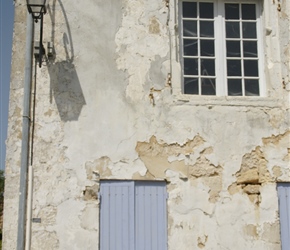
x=36, y=7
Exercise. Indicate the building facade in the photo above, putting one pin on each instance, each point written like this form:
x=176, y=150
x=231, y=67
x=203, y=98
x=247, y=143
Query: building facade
x=155, y=125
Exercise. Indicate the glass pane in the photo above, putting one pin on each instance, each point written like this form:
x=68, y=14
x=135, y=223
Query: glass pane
x=235, y=87
x=250, y=49
x=190, y=47
x=189, y=9
x=190, y=66
x=252, y=87
x=191, y=86
x=232, y=11
x=248, y=11
x=249, y=30
x=206, y=29
x=206, y=10
x=207, y=86
x=37, y=9
x=233, y=49
x=232, y=29
x=190, y=28
x=251, y=67
x=207, y=67
x=234, y=67
x=207, y=47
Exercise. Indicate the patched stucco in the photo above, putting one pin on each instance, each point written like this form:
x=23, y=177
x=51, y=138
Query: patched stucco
x=110, y=106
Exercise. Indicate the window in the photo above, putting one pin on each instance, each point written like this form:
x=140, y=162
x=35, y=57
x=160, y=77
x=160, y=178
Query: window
x=284, y=213
x=133, y=215
x=221, y=48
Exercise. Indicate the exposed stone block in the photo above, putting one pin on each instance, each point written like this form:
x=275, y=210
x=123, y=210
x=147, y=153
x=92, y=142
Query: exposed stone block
x=91, y=193
x=250, y=176
x=252, y=189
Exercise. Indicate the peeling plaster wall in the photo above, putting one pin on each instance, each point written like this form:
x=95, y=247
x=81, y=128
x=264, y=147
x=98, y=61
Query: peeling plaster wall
x=108, y=106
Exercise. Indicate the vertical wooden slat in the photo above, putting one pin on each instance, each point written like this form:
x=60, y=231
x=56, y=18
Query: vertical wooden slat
x=284, y=212
x=154, y=216
x=140, y=218
x=147, y=217
x=105, y=215
x=112, y=217
x=125, y=222
x=118, y=219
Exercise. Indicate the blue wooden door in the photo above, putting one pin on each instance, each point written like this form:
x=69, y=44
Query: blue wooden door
x=284, y=213
x=133, y=215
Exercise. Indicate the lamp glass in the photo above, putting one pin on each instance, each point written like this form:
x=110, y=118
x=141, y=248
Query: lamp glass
x=36, y=6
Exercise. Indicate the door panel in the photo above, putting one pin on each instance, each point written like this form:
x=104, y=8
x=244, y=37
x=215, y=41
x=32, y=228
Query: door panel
x=117, y=216
x=151, y=226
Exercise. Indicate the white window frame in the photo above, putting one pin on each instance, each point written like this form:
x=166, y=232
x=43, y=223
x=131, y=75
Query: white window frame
x=220, y=46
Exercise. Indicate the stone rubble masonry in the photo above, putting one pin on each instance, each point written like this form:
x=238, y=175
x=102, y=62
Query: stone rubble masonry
x=109, y=106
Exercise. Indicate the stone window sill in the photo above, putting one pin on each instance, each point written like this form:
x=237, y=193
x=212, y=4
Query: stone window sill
x=249, y=101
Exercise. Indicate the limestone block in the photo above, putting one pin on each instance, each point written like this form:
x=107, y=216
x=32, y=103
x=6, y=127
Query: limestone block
x=250, y=176
x=252, y=189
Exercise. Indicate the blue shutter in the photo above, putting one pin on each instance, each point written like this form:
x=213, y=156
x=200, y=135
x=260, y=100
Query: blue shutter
x=133, y=215
x=284, y=210
x=151, y=217
x=117, y=215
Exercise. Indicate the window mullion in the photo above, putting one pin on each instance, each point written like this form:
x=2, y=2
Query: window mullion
x=241, y=49
x=198, y=51
x=220, y=49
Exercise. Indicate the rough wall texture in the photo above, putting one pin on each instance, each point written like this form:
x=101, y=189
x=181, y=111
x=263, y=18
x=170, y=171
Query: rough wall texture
x=108, y=106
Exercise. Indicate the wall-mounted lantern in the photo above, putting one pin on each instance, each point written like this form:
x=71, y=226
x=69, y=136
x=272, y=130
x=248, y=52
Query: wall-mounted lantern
x=38, y=8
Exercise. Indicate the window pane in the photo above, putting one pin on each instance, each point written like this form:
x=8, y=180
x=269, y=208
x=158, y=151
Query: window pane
x=232, y=29
x=249, y=30
x=207, y=86
x=248, y=11
x=206, y=10
x=235, y=87
x=251, y=67
x=191, y=86
x=252, y=87
x=232, y=11
x=233, y=49
x=189, y=9
x=190, y=28
x=206, y=29
x=190, y=66
x=250, y=49
x=207, y=47
x=234, y=67
x=190, y=47
x=207, y=67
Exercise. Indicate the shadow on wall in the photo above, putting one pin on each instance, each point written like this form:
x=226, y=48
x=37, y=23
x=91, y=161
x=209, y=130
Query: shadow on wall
x=64, y=82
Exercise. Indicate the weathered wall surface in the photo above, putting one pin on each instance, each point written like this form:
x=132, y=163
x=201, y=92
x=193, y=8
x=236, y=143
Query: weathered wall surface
x=13, y=142
x=109, y=107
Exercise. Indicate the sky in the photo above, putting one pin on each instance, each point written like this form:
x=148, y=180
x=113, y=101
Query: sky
x=6, y=31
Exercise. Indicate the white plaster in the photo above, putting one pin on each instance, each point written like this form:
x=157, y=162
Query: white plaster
x=107, y=91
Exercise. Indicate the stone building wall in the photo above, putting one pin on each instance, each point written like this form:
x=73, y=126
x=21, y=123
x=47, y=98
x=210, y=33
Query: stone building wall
x=109, y=106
